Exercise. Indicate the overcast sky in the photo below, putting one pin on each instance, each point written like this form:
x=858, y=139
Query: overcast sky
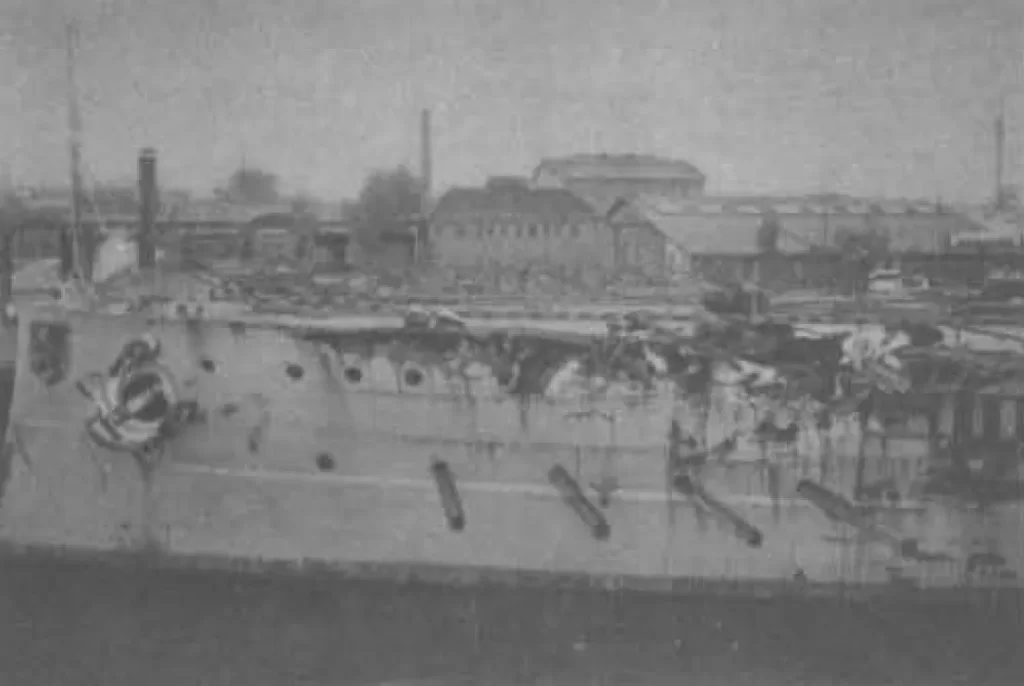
x=880, y=97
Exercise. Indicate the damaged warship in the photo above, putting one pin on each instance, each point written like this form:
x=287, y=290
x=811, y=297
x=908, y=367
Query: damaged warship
x=640, y=454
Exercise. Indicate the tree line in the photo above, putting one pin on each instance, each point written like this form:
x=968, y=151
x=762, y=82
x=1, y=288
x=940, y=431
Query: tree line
x=386, y=203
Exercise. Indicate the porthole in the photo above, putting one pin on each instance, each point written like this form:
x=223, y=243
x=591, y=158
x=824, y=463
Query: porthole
x=413, y=377
x=325, y=462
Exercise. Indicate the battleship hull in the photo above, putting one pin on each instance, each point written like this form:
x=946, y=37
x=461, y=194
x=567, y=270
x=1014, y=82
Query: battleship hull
x=358, y=461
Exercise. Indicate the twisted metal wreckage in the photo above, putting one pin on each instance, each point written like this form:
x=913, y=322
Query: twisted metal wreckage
x=789, y=381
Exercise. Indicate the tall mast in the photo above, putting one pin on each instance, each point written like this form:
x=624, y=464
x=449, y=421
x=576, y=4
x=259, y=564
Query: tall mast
x=1000, y=135
x=71, y=255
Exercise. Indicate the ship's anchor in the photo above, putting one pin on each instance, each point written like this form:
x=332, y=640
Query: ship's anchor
x=137, y=406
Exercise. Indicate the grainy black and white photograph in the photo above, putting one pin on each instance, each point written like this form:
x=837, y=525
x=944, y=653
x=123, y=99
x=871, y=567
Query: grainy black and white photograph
x=523, y=343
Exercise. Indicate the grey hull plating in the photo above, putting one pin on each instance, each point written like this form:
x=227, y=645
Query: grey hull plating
x=292, y=464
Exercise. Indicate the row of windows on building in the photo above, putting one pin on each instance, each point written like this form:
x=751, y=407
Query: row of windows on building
x=498, y=230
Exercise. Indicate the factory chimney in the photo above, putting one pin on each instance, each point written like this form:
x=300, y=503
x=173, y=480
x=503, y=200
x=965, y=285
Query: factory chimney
x=148, y=203
x=426, y=168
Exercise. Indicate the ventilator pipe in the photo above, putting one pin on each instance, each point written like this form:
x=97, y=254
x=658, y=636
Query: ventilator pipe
x=451, y=502
x=745, y=531
x=575, y=498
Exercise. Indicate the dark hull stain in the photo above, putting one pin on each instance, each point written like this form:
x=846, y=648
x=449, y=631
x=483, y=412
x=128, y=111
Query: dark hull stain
x=91, y=623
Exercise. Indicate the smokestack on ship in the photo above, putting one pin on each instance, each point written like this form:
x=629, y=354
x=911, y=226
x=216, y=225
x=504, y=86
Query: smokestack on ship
x=148, y=202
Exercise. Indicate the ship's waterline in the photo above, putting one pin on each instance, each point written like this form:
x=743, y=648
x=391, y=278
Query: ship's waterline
x=283, y=455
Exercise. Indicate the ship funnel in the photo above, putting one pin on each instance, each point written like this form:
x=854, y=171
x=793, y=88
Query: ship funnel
x=148, y=203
